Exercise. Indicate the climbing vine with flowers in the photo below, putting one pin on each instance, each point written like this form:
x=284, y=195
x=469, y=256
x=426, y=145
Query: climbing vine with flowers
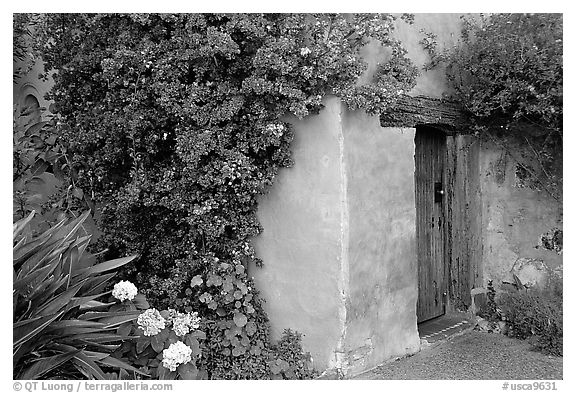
x=176, y=124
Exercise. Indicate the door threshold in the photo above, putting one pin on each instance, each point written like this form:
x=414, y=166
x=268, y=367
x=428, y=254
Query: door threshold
x=444, y=326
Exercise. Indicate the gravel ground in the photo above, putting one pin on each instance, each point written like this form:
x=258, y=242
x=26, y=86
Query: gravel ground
x=473, y=355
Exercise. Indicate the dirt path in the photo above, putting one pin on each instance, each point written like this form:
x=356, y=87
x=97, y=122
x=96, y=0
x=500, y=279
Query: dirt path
x=473, y=355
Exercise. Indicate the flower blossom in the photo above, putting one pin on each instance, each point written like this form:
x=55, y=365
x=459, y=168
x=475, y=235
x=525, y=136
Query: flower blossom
x=305, y=51
x=176, y=354
x=124, y=290
x=151, y=322
x=184, y=323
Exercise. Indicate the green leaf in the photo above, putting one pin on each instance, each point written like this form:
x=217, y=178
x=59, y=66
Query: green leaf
x=283, y=364
x=26, y=330
x=40, y=275
x=78, y=193
x=39, y=167
x=117, y=363
x=187, y=371
x=58, y=172
x=90, y=203
x=142, y=344
x=250, y=328
x=118, y=320
x=165, y=374
x=45, y=365
x=196, y=281
x=194, y=345
x=96, y=285
x=125, y=330
x=86, y=364
x=140, y=302
x=36, y=127
x=69, y=230
x=93, y=304
x=237, y=351
x=157, y=343
x=96, y=356
x=75, y=323
x=106, y=266
x=240, y=319
x=123, y=375
x=27, y=249
x=87, y=302
x=90, y=315
x=51, y=140
x=20, y=225
x=35, y=182
x=59, y=302
x=199, y=334
x=100, y=337
x=274, y=368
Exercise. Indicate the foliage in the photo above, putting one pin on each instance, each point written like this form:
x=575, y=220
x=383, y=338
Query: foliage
x=177, y=123
x=148, y=353
x=291, y=362
x=60, y=327
x=430, y=44
x=507, y=72
x=38, y=157
x=22, y=24
x=536, y=314
x=489, y=311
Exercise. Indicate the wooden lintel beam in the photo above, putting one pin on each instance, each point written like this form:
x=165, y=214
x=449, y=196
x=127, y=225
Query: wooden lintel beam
x=420, y=110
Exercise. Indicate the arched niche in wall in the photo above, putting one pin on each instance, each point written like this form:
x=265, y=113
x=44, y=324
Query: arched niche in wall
x=30, y=109
x=28, y=105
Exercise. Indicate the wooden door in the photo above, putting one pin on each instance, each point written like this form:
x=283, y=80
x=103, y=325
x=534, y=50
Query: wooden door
x=430, y=160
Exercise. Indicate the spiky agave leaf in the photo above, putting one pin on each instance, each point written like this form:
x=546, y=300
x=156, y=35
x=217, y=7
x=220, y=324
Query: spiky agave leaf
x=56, y=287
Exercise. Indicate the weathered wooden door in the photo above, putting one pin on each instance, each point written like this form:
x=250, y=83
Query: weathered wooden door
x=430, y=159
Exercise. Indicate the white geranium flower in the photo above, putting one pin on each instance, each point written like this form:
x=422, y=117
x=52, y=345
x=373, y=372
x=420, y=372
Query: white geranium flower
x=124, y=290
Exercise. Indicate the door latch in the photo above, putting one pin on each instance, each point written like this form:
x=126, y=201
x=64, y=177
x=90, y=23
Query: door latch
x=438, y=192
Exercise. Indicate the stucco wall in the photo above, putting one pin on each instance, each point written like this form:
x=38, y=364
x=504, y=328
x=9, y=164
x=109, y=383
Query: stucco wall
x=338, y=241
x=382, y=293
x=301, y=244
x=446, y=26
x=514, y=219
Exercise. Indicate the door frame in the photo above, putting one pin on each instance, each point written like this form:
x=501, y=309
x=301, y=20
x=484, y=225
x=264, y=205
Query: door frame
x=462, y=211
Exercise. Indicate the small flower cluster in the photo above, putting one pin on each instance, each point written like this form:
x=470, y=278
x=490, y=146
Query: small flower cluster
x=151, y=322
x=124, y=290
x=275, y=129
x=176, y=354
x=183, y=323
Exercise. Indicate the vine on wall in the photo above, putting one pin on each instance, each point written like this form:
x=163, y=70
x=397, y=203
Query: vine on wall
x=507, y=73
x=174, y=124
